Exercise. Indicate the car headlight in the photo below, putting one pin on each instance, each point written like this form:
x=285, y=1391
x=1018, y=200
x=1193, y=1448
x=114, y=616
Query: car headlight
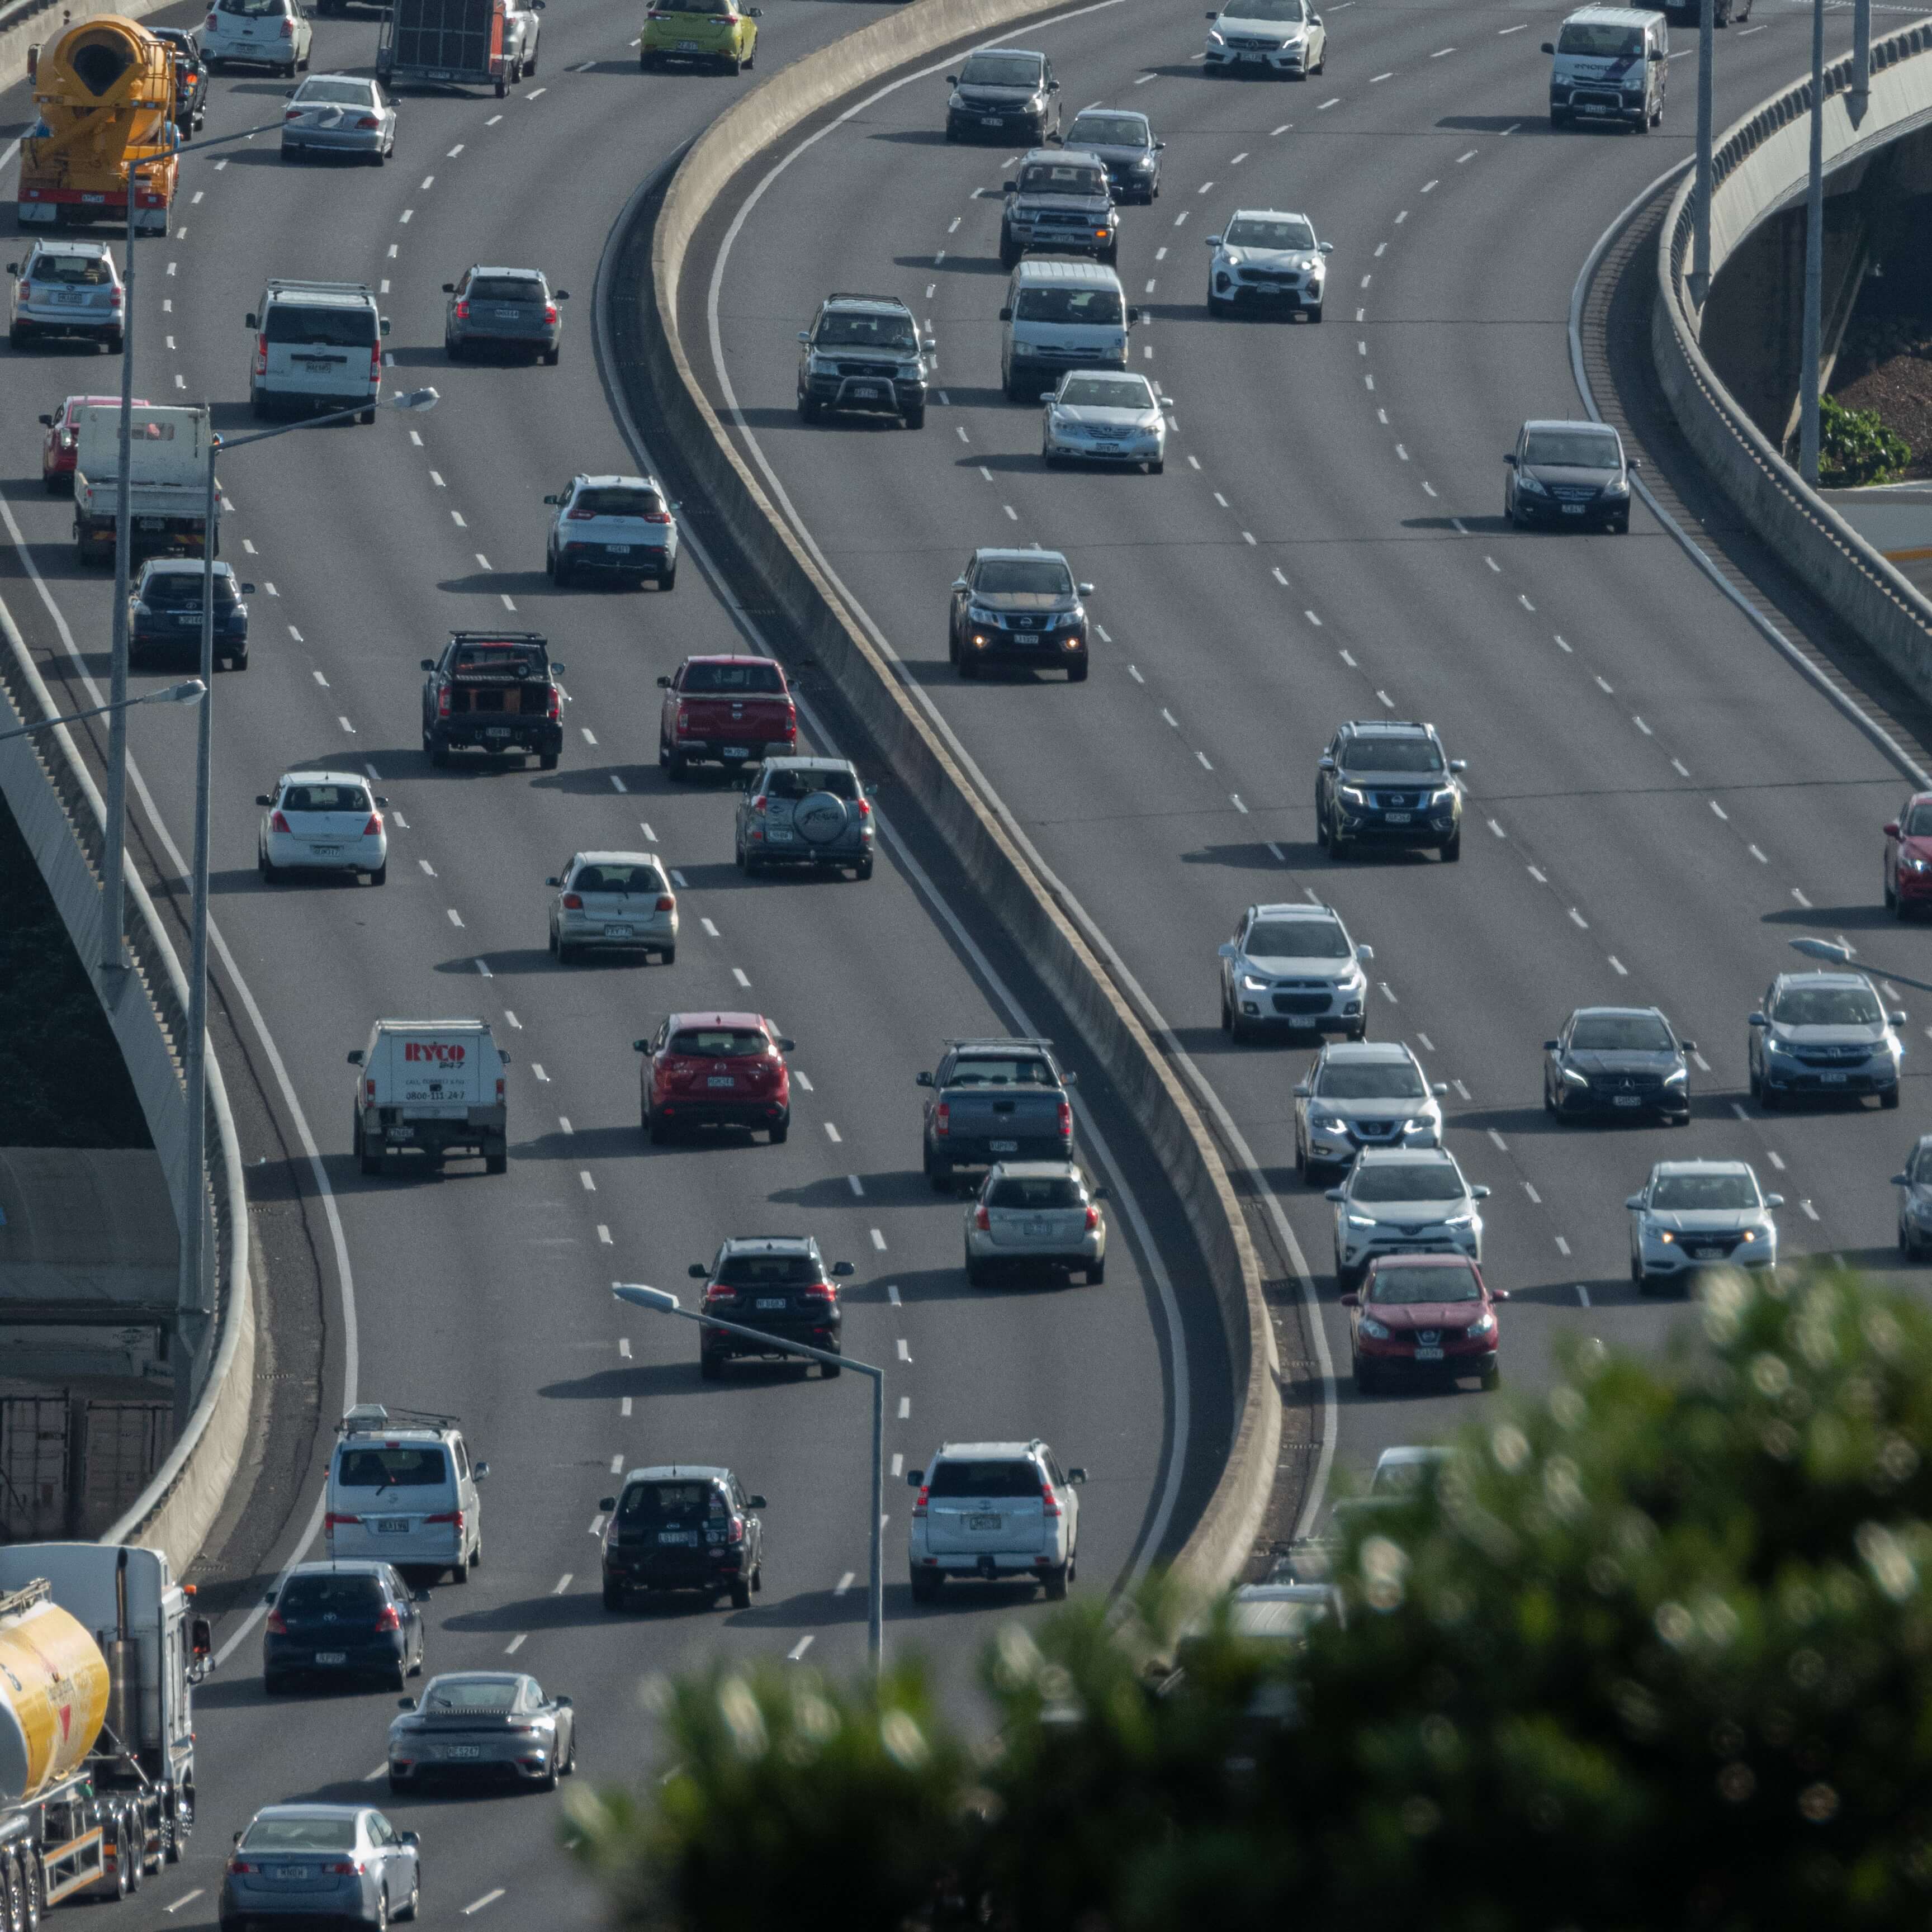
x=1145, y=165
x=1663, y=1235
x=1249, y=984
x=1353, y=793
x=1772, y=1044
x=1322, y=1121
x=1361, y=1220
x=1214, y=40
x=1447, y=795
x=1353, y=981
x=1749, y=1235
x=1525, y=481
x=1486, y=1326
x=1617, y=487
x=1916, y=865
x=1373, y=1329
x=1677, y=1079
x=974, y=615
x=1467, y=1219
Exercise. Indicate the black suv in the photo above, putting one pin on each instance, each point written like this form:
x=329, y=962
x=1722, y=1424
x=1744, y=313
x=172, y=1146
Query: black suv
x=865, y=353
x=1618, y=1059
x=1019, y=607
x=1386, y=782
x=683, y=1526
x=778, y=1284
x=1061, y=201
x=342, y=1620
x=190, y=76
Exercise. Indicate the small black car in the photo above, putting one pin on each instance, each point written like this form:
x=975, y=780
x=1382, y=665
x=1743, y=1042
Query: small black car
x=1382, y=782
x=190, y=76
x=683, y=1526
x=1125, y=143
x=779, y=1285
x=164, y=612
x=1618, y=1059
x=1568, y=475
x=342, y=1620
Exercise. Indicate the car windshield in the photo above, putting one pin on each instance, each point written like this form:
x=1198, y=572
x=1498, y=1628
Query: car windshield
x=1599, y=40
x=1019, y=577
x=1406, y=1180
x=472, y=1693
x=1384, y=1080
x=1827, y=1005
x=319, y=327
x=609, y=877
x=1011, y=1477
x=855, y=328
x=1391, y=754
x=1107, y=392
x=1259, y=231
x=315, y=1596
x=324, y=798
x=668, y=1502
x=770, y=1271
x=1691, y=1192
x=1093, y=308
x=1406, y=1287
x=1267, y=10
x=174, y=587
x=1061, y=178
x=394, y=1466
x=985, y=1072
x=1109, y=131
x=719, y=1042
x=1621, y=1033
x=73, y=270
x=1406, y=1475
x=1001, y=70
x=506, y=289
x=301, y=1834
x=1918, y=822
x=1571, y=449
x=345, y=93
x=787, y=783
x=1035, y=1192
x=1297, y=939
x=616, y=502
x=737, y=678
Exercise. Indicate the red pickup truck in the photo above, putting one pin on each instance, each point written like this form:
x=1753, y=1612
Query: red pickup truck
x=729, y=710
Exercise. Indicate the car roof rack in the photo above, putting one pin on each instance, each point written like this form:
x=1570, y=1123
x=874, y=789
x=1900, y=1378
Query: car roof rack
x=1001, y=1040
x=499, y=637
x=372, y=1418
x=857, y=295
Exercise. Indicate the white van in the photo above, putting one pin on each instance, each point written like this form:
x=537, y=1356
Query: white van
x=434, y=1088
x=1610, y=64
x=402, y=1490
x=318, y=347
x=1060, y=315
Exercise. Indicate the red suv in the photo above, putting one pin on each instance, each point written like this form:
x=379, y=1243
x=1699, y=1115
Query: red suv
x=1908, y=856
x=715, y=1070
x=1424, y=1317
x=58, y=444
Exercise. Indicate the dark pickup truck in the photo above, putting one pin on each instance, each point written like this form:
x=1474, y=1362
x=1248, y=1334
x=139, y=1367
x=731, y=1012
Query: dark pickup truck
x=994, y=1100
x=494, y=692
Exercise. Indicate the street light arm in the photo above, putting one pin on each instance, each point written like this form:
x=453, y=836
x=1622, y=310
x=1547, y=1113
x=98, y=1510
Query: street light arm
x=190, y=693
x=666, y=1307
x=413, y=401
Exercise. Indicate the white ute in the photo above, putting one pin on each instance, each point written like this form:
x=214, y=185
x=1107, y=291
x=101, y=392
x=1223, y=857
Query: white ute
x=434, y=1088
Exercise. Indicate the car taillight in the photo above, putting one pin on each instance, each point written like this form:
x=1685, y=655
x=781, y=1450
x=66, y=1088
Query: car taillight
x=982, y=1220
x=942, y=1120
x=447, y=1516
x=369, y=1091
x=462, y=311
x=368, y=121
x=113, y=298
x=500, y=1090
x=736, y=1533
x=261, y=355
x=718, y=1296
x=650, y=516
x=791, y=719
x=277, y=822
x=919, y=1507
x=822, y=1291
x=758, y=806
x=683, y=718
x=388, y=1620
x=288, y=30
x=555, y=703
x=210, y=27
x=1066, y=1121
x=374, y=825
x=550, y=312
x=276, y=1626
x=573, y=902
x=442, y=704
x=332, y=1520
x=1048, y=1506
x=864, y=808
x=579, y=516
x=376, y=364
x=292, y=113
x=666, y=903
x=1092, y=1219
x=342, y=1867
x=241, y=1865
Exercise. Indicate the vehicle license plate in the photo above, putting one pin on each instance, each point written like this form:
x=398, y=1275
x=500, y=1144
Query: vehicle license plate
x=779, y=835
x=736, y=751
x=1113, y=449
x=771, y=1301
x=1572, y=509
x=982, y=1522
x=617, y=932
x=677, y=1536
x=64, y=300
x=721, y=1080
x=154, y=523
x=1707, y=1254
x=1036, y=1230
x=989, y=120
x=866, y=392
x=1251, y=57
x=1626, y=1100
x=326, y=1657
x=1832, y=1079
x=1594, y=107
x=402, y=1133
x=1429, y=1354
x=1399, y=817
x=461, y=1750
x=1004, y=1147
x=188, y=617
x=687, y=46
x=291, y=1871
x=393, y=1525
x=507, y=314
x=496, y=731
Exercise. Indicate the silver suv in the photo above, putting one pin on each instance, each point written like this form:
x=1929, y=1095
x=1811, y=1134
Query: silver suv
x=994, y=1511
x=804, y=811
x=865, y=353
x=1821, y=1034
x=1399, y=1200
x=67, y=288
x=1293, y=965
x=1362, y=1093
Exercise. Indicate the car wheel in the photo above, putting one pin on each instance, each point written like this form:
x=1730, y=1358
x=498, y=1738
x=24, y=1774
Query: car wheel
x=566, y=953
x=1754, y=1081
x=380, y=1923
x=862, y=871
x=1493, y=1380
x=380, y=876
x=975, y=1273
x=613, y=1596
x=927, y=1584
x=1452, y=848
x=1768, y=1097
x=828, y=1370
x=270, y=871
x=668, y=956
x=679, y=768
x=667, y=580
x=371, y=1163
x=1096, y=1273
x=560, y=571
x=1158, y=467
x=459, y=1572
x=1888, y=1099
x=741, y=1596
x=1314, y=314
x=779, y=1132
x=808, y=409
x=969, y=667
x=415, y=1904
x=1338, y=846
x=915, y=418
x=710, y=1366
x=1907, y=1246
x=1055, y=1581
x=547, y=760
x=1076, y=672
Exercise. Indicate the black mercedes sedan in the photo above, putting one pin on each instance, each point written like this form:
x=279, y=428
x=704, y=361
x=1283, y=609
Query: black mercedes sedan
x=1618, y=1059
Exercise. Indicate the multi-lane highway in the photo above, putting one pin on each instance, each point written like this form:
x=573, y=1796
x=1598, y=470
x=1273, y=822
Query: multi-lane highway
x=489, y=1297
x=1659, y=803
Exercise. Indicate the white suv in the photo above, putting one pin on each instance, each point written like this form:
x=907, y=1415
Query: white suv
x=1293, y=965
x=994, y=1511
x=1265, y=258
x=274, y=33
x=1399, y=1200
x=402, y=1490
x=318, y=346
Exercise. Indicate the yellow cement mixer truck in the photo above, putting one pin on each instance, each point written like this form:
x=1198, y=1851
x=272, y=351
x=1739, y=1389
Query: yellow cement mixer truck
x=104, y=97
x=100, y=1651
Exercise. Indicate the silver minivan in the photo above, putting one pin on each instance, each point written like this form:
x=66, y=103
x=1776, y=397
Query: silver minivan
x=318, y=348
x=1060, y=315
x=1610, y=64
x=403, y=1490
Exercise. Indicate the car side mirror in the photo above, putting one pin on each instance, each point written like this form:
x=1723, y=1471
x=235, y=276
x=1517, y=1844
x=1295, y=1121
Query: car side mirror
x=756, y=1501
x=1509, y=456
x=1479, y=1193
x=697, y=1271
x=1009, y=188
x=1055, y=141
x=1552, y=1046
x=641, y=1046
x=1326, y=248
x=200, y=1636
x=1635, y=1200
x=1047, y=395
x=1889, y=828
x=923, y=1080
x=787, y=1045
x=1301, y=1090
x=1901, y=1181
x=1133, y=316
x=356, y=1058
x=482, y=1469
x=1332, y=1194
x=1633, y=463
x=562, y=294
x=269, y=1600
x=1069, y=1079
x=47, y=422
x=263, y=798
x=841, y=1271
x=1325, y=763
x=1774, y=1200
x=420, y=1596
x=1459, y=764
x=1365, y=954
x=1687, y=1046
x=1165, y=402
x=1439, y=1087
x=382, y=322
x=1085, y=589
x=1076, y=1475
x=552, y=499
x=1546, y=48
x=606, y=1502
x=1657, y=53
x=1225, y=950
x=1759, y=1020
x=952, y=80
x=449, y=288
x=553, y=882
x=804, y=335
x=1211, y=241
x=959, y=583
x=429, y=664
x=1498, y=1294
x=288, y=94
x=416, y=1838
x=1053, y=87
x=558, y=667
x=914, y=1477
x=1896, y=1016
x=1158, y=146
x=1006, y=315
x=248, y=321
x=1100, y=1194
x=664, y=684
x=247, y=590
x=1351, y=1301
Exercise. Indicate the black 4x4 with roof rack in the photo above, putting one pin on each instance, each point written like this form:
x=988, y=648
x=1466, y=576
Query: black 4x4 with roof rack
x=865, y=353
x=495, y=691
x=1386, y=782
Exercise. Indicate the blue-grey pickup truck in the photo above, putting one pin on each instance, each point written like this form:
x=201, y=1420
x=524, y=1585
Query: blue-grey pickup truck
x=994, y=1100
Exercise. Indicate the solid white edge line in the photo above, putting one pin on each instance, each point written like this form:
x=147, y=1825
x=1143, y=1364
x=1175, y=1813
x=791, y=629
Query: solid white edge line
x=1849, y=706
x=1330, y=1413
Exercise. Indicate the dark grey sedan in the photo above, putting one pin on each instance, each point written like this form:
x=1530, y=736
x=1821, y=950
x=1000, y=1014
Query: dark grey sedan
x=1126, y=142
x=483, y=1725
x=510, y=309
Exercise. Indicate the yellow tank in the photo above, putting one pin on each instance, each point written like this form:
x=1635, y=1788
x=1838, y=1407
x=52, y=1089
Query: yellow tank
x=104, y=91
x=53, y=1693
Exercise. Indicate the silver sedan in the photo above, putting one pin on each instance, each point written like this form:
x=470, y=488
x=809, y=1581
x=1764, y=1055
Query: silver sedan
x=1105, y=415
x=1036, y=1214
x=483, y=1725
x=613, y=902
x=343, y=1863
x=339, y=114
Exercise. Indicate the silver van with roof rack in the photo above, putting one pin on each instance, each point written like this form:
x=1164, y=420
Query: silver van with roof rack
x=318, y=348
x=1058, y=315
x=403, y=1490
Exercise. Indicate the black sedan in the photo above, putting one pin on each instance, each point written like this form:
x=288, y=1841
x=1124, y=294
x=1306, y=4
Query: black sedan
x=347, y=1619
x=1568, y=475
x=190, y=76
x=1125, y=142
x=1618, y=1059
x=164, y=612
x=483, y=1725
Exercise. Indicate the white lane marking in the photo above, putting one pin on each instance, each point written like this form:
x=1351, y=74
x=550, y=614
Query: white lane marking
x=804, y=1080
x=589, y=736
x=1493, y=564
x=1469, y=156
x=1528, y=606
x=589, y=1185
x=796, y=1653
x=893, y=1296
x=1582, y=923
x=1799, y=896
x=429, y=181
x=1458, y=1085
x=346, y=725
x=603, y=1235
x=1402, y=452
x=454, y=152
x=1204, y=187
x=1278, y=577
x=710, y=930
x=405, y=215
x=644, y=827
x=294, y=634
x=563, y=1124
x=369, y=1777
x=428, y=869
x=1009, y=508
x=189, y=1898
x=1603, y=685
x=616, y=1466
x=831, y=1133
x=1313, y=618
x=1140, y=80
x=455, y=917
x=1429, y=1046
x=1777, y=1159
x=1529, y=1188
x=1718, y=809
x=1538, y=877
x=1368, y=381
x=536, y=93
x=1402, y=214
x=536, y=1067
x=488, y=1898
x=1810, y=1213
x=481, y=558
x=1374, y=78
x=1562, y=1246
x=1563, y=644
x=1160, y=253
x=1583, y=1293
x=904, y=1353
x=1622, y=970
x=1239, y=159
x=624, y=1346
x=1738, y=1109
x=624, y=1409
x=493, y=120
x=1388, y=993
x=562, y=1583
x=1498, y=829
x=1678, y=765
x=1205, y=765
x=1502, y=1146
x=1704, y=1066
x=738, y=973
x=1388, y=703
x=1181, y=217
x=878, y=1241
x=1757, y=855
x=516, y=1643
x=1522, y=26
x=1641, y=726
x=392, y=255
x=597, y=1524
x=1282, y=130
x=617, y=784
x=1440, y=51
x=857, y=1186
x=1333, y=101
x=435, y=477
x=457, y=516
x=1234, y=798
x=1170, y=717
x=898, y=1466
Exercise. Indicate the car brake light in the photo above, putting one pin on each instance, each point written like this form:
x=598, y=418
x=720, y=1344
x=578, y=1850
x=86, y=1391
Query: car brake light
x=666, y=903
x=650, y=516
x=550, y=312
x=388, y=1620
x=332, y=1520
x=342, y=1868
x=277, y=822
x=113, y=298
x=919, y=1507
x=374, y=825
x=1092, y=1219
x=982, y=1220
x=447, y=1516
x=288, y=30
x=442, y=704
x=864, y=808
x=942, y=1120
x=291, y=113
x=368, y=121
x=579, y=516
x=573, y=902
x=462, y=311
x=261, y=355
x=556, y=703
x=822, y=1291
x=210, y=27
x=683, y=718
x=276, y=1626
x=239, y=1864
x=1066, y=1121
x=736, y=1533
x=758, y=806
x=369, y=1088
x=719, y=1295
x=375, y=365
x=791, y=719
x=1047, y=1505
x=500, y=1090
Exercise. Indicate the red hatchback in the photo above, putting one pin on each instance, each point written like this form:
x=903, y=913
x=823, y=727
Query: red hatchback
x=58, y=444
x=1423, y=1317
x=715, y=1070
x=1908, y=856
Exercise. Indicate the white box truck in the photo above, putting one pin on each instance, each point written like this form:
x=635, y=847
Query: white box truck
x=431, y=1086
x=167, y=481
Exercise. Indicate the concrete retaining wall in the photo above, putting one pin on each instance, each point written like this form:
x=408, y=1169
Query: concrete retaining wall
x=1074, y=959
x=1759, y=167
x=61, y=816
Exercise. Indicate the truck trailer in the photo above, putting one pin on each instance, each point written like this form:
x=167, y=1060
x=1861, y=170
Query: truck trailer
x=167, y=481
x=449, y=43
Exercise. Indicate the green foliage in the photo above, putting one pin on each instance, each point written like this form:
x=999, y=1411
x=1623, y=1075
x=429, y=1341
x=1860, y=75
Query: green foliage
x=1656, y=1651
x=1854, y=447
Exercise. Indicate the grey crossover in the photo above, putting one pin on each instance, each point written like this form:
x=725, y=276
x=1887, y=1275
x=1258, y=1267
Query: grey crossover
x=1823, y=1034
x=506, y=309
x=804, y=811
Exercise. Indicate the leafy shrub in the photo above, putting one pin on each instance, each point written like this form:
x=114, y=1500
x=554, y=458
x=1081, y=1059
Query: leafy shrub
x=1854, y=447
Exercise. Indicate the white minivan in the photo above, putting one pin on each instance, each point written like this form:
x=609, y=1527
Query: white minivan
x=318, y=348
x=402, y=1490
x=1610, y=64
x=1060, y=315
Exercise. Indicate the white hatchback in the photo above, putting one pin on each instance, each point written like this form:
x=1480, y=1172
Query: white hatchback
x=322, y=822
x=1285, y=37
x=612, y=902
x=274, y=33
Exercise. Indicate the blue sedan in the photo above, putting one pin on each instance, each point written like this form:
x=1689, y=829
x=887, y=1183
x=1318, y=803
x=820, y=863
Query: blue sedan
x=164, y=613
x=344, y=1863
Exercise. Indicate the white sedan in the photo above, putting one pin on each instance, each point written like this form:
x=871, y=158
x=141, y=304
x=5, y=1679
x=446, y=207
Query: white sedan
x=1105, y=415
x=1268, y=36
x=339, y=114
x=322, y=822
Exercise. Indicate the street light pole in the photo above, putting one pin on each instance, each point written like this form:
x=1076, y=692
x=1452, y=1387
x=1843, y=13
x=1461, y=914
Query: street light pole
x=1700, y=256
x=1861, y=59
x=663, y=1303
x=1811, y=350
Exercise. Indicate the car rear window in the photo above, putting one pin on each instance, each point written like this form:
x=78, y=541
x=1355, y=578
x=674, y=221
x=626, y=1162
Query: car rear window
x=312, y=1595
x=337, y=93
x=789, y=784
x=475, y=1693
x=719, y=1042
x=608, y=878
x=318, y=327
x=176, y=587
x=1110, y=130
x=73, y=270
x=979, y=1072
x=1093, y=308
x=755, y=679
x=402, y=1468
x=668, y=1502
x=326, y=798
x=769, y=1271
x=1405, y=1287
x=1058, y=1191
x=505, y=289
x=301, y=1834
x=501, y=660
x=1011, y=1476
x=608, y=502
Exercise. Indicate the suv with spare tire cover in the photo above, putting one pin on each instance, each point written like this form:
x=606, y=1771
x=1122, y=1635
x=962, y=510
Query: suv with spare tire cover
x=804, y=811
x=683, y=1526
